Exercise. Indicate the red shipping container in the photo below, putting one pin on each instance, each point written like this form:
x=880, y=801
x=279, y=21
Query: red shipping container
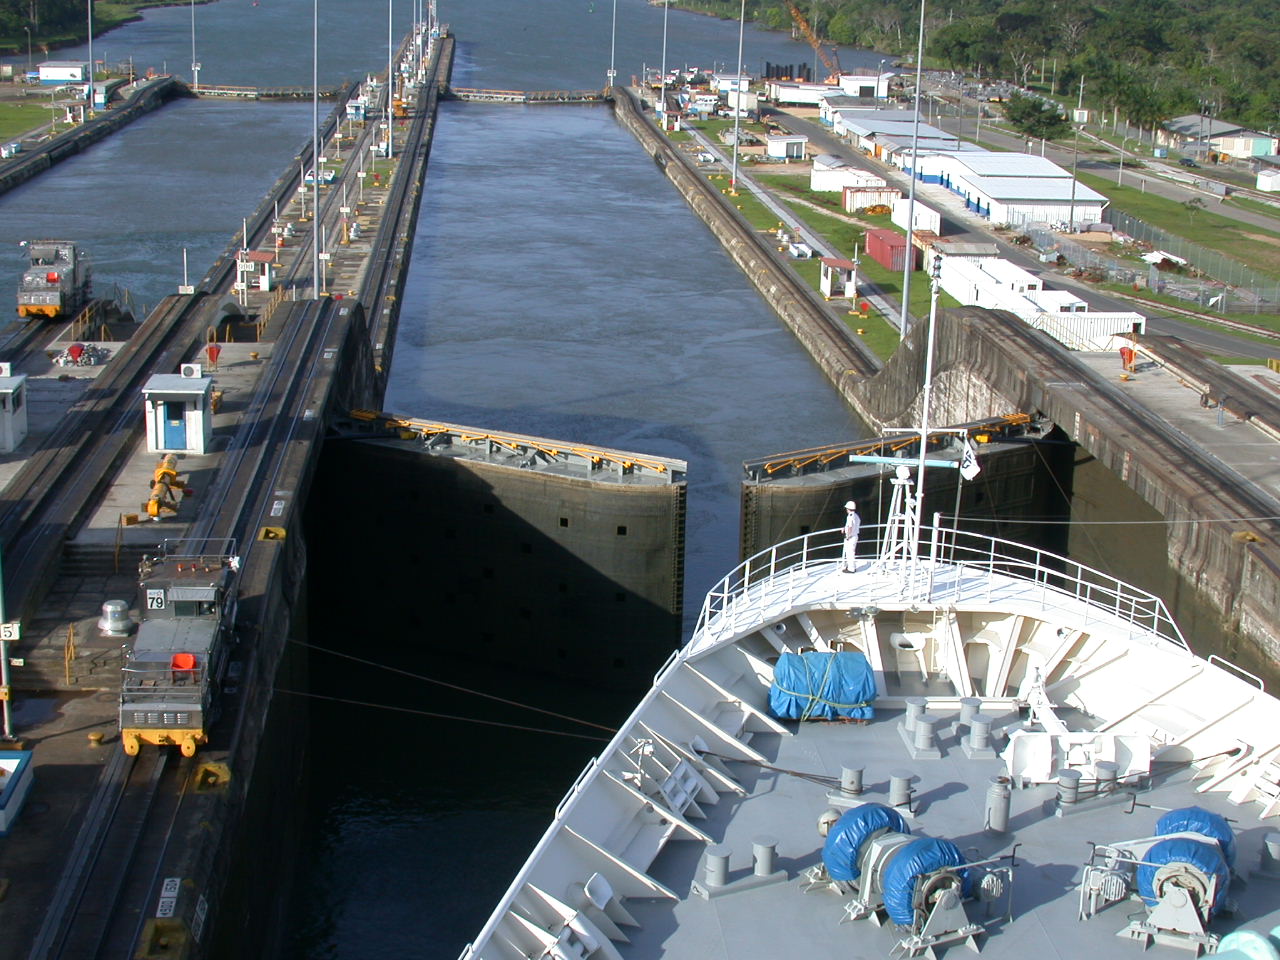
x=889, y=249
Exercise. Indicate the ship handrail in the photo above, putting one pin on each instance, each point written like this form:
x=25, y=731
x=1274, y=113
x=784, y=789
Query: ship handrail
x=1222, y=661
x=950, y=547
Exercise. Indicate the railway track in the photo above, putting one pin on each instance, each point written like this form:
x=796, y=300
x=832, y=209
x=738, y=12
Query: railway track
x=1237, y=495
x=115, y=860
x=113, y=878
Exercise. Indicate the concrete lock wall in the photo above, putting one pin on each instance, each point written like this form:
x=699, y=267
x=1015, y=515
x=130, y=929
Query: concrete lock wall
x=988, y=362
x=545, y=567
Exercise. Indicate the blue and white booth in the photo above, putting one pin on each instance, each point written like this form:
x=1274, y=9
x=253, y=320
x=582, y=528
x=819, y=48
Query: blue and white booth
x=16, y=774
x=13, y=409
x=179, y=411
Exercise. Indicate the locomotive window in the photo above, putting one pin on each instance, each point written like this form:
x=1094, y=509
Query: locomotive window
x=195, y=608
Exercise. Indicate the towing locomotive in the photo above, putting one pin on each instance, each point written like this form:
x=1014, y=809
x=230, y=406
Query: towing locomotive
x=58, y=281
x=175, y=666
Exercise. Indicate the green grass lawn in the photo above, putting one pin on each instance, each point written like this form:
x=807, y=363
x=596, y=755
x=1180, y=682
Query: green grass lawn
x=1253, y=246
x=19, y=118
x=1256, y=206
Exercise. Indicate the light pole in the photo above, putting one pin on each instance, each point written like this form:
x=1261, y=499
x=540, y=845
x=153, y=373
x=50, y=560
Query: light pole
x=1075, y=156
x=315, y=144
x=879, y=74
x=662, y=91
x=28, y=29
x=195, y=64
x=737, y=109
x=391, y=80
x=89, y=4
x=915, y=175
x=613, y=46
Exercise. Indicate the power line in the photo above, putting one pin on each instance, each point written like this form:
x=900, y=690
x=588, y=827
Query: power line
x=440, y=716
x=453, y=686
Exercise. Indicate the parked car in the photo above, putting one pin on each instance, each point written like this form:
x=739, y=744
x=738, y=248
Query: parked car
x=1187, y=162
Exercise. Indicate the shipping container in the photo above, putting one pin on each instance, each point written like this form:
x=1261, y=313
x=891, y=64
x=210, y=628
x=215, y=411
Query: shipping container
x=889, y=249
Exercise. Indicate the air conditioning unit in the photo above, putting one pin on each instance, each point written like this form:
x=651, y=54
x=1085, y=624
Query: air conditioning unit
x=190, y=371
x=6, y=370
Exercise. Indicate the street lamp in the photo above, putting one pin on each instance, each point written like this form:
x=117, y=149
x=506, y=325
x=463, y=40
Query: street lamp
x=28, y=29
x=737, y=109
x=879, y=74
x=391, y=79
x=915, y=176
x=315, y=142
x=662, y=90
x=195, y=64
x=613, y=46
x=89, y=4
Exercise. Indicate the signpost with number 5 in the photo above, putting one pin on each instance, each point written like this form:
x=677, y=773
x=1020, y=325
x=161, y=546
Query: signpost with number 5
x=8, y=632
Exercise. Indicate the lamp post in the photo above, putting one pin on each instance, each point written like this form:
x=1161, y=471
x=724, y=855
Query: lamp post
x=28, y=29
x=662, y=90
x=391, y=80
x=915, y=176
x=737, y=109
x=879, y=74
x=89, y=4
x=315, y=144
x=195, y=64
x=1075, y=156
x=613, y=46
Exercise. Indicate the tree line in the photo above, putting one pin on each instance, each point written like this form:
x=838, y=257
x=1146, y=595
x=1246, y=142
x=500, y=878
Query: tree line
x=1149, y=60
x=44, y=18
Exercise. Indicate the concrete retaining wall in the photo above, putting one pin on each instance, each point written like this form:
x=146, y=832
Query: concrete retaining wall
x=805, y=314
x=987, y=363
x=68, y=144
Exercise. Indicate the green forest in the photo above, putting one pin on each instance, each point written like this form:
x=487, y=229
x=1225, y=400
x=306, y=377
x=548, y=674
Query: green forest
x=1150, y=60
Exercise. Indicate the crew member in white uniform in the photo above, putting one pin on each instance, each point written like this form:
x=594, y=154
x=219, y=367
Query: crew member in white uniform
x=849, y=556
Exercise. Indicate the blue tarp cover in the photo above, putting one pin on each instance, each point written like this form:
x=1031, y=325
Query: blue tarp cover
x=850, y=832
x=1205, y=822
x=919, y=856
x=822, y=686
x=1206, y=856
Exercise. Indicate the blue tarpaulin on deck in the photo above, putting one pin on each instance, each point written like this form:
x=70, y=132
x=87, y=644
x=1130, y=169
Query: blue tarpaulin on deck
x=822, y=686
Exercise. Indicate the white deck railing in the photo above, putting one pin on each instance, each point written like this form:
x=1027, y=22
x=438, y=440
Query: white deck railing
x=952, y=565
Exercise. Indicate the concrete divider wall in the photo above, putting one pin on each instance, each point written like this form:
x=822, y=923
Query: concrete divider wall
x=260, y=736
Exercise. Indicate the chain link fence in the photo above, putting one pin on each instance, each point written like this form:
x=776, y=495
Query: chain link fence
x=1215, y=283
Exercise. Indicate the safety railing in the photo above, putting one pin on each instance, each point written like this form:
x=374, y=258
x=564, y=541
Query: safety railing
x=950, y=566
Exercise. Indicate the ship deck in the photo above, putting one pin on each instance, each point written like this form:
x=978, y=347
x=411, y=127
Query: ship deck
x=949, y=802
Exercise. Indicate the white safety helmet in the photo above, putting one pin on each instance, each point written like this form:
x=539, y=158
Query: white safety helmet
x=851, y=506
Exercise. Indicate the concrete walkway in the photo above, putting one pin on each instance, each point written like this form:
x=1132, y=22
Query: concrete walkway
x=1236, y=444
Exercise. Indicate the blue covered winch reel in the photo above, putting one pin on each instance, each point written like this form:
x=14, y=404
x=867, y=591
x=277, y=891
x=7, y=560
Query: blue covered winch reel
x=1182, y=874
x=918, y=883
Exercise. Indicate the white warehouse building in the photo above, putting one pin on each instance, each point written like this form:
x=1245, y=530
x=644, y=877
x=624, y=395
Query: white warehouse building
x=1012, y=188
x=998, y=284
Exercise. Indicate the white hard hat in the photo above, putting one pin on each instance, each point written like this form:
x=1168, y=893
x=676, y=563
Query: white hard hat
x=851, y=505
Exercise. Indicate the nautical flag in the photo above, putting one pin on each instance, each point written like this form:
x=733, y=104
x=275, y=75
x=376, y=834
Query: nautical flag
x=969, y=467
